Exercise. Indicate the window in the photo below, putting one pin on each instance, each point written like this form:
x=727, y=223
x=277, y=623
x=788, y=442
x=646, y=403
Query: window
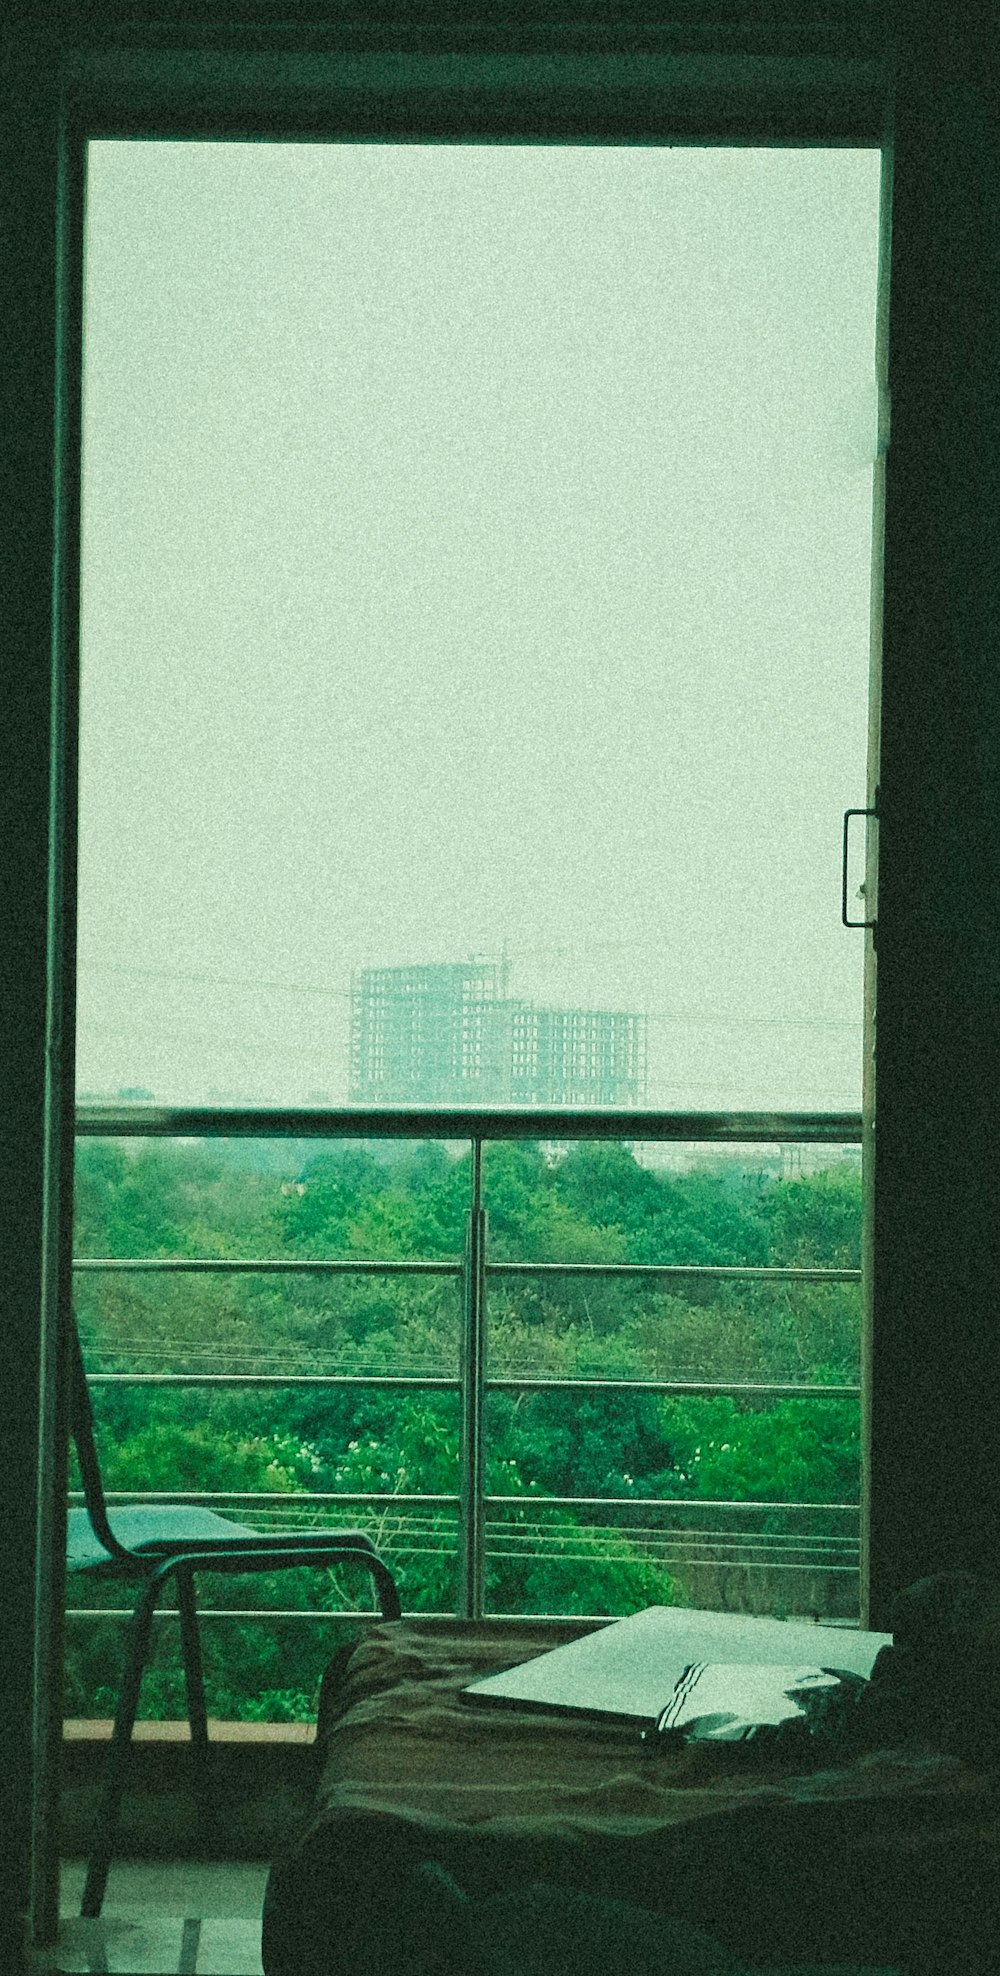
x=490, y=530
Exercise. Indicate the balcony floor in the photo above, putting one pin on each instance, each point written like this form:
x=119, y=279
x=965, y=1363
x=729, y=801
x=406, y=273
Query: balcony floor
x=163, y=1918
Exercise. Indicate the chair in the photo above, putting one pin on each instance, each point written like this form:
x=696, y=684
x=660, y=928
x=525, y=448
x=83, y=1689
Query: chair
x=148, y=1545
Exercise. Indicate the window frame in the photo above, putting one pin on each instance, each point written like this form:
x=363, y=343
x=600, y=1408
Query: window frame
x=438, y=79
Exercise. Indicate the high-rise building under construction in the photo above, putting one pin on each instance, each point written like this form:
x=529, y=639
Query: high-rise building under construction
x=451, y=1035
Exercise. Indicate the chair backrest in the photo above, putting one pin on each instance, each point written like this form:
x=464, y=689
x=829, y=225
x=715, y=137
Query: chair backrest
x=81, y=1427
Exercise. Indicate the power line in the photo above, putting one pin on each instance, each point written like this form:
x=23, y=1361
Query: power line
x=696, y=1018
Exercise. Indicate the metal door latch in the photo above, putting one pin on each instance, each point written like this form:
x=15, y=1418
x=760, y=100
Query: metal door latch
x=847, y=921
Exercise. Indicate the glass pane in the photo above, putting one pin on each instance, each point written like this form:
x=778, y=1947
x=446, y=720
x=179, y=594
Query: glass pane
x=476, y=568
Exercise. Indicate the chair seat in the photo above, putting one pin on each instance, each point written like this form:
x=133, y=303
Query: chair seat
x=151, y=1529
x=160, y=1530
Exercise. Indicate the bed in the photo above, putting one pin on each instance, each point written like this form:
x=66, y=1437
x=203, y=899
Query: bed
x=887, y=1857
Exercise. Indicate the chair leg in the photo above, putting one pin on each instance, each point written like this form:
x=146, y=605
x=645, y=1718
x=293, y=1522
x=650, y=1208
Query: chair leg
x=106, y=1825
x=385, y=1587
x=193, y=1671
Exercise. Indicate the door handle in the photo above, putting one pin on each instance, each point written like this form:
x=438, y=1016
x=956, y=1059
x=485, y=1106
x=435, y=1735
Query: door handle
x=847, y=921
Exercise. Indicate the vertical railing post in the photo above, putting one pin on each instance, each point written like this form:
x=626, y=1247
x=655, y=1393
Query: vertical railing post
x=473, y=1398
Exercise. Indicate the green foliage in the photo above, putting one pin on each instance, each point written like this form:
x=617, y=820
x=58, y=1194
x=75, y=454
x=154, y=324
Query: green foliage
x=546, y=1561
x=170, y=1455
x=789, y=1451
x=816, y=1220
x=348, y=1204
x=593, y=1203
x=696, y=1217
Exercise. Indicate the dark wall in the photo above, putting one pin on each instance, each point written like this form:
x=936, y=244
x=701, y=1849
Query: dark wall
x=935, y=1459
x=27, y=413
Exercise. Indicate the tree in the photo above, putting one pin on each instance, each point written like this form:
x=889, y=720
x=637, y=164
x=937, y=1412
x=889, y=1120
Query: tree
x=595, y=1204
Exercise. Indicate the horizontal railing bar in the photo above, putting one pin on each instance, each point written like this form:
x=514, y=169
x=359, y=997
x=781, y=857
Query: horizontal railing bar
x=717, y=1271
x=606, y=1619
x=431, y=1382
x=626, y=1540
x=151, y=1121
x=692, y=1537
x=191, y=1265
x=735, y=1564
x=197, y=1265
x=272, y=1498
x=242, y=1612
x=735, y=1390
x=647, y=1503
x=657, y=1502
x=721, y=1533
x=384, y=1381
x=344, y=1616
x=672, y=1550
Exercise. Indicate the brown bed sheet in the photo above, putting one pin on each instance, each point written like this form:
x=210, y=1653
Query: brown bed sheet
x=893, y=1856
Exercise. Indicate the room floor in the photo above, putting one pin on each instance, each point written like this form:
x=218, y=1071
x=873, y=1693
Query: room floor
x=162, y=1918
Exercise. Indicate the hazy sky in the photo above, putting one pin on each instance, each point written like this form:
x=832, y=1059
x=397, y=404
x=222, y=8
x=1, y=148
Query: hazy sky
x=477, y=550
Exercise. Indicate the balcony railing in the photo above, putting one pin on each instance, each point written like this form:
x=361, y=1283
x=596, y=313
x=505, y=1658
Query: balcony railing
x=779, y=1541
